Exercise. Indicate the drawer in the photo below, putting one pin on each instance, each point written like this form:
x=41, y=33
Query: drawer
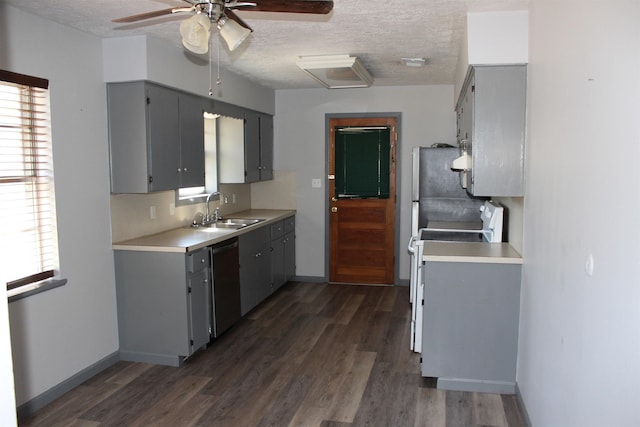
x=277, y=230
x=197, y=261
x=289, y=224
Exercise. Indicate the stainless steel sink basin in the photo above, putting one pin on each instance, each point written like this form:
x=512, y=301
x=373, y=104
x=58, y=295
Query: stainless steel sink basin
x=229, y=223
x=239, y=221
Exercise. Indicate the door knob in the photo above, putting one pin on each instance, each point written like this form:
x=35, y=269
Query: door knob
x=334, y=209
x=334, y=199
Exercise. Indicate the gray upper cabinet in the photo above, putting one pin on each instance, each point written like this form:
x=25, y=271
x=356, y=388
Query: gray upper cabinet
x=156, y=138
x=491, y=117
x=252, y=147
x=254, y=156
x=192, y=168
x=265, y=123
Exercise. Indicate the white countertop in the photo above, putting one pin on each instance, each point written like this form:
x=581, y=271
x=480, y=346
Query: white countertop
x=186, y=239
x=480, y=252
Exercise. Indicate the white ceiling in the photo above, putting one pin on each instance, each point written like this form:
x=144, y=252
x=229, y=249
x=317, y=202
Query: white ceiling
x=379, y=32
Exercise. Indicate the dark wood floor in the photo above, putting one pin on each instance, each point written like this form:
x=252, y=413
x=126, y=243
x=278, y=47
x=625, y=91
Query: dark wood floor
x=311, y=355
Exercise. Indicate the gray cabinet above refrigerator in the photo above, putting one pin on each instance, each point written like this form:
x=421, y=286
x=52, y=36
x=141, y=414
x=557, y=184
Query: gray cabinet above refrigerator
x=491, y=115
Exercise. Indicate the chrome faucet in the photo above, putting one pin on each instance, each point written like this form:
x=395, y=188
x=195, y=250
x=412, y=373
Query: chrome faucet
x=208, y=217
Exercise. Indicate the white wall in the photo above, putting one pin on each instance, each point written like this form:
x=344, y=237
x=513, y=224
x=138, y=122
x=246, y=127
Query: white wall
x=143, y=58
x=492, y=38
x=7, y=388
x=60, y=332
x=300, y=147
x=579, y=352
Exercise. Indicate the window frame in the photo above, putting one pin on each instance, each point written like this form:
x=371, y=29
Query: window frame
x=38, y=281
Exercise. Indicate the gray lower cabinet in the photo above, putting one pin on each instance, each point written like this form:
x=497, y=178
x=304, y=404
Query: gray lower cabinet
x=282, y=252
x=470, y=325
x=289, y=248
x=255, y=268
x=267, y=261
x=164, y=304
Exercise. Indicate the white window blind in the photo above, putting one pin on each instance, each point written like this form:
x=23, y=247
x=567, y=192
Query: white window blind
x=28, y=235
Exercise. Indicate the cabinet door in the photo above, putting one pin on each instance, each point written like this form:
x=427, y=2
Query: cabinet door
x=289, y=244
x=163, y=138
x=266, y=147
x=252, y=147
x=127, y=110
x=465, y=110
x=263, y=266
x=191, y=141
x=255, y=264
x=277, y=263
x=499, y=117
x=199, y=308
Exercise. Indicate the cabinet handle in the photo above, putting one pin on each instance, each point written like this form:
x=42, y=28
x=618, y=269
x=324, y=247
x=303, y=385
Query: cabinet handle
x=205, y=281
x=258, y=254
x=178, y=170
x=184, y=170
x=202, y=260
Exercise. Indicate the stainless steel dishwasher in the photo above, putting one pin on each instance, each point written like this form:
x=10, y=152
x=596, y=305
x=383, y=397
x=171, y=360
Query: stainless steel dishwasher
x=225, y=292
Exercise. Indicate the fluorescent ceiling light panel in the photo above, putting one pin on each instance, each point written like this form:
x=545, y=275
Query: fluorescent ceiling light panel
x=336, y=71
x=414, y=62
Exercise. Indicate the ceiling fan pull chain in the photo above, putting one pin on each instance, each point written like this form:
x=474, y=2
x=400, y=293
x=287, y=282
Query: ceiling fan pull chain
x=219, y=80
x=210, y=65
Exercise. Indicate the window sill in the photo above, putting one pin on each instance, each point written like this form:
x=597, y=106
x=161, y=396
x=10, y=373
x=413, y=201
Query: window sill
x=34, y=288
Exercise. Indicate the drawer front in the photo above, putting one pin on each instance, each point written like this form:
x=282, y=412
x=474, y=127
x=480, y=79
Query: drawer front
x=289, y=224
x=277, y=229
x=197, y=261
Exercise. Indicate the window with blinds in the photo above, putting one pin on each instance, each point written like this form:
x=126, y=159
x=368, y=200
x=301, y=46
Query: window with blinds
x=28, y=235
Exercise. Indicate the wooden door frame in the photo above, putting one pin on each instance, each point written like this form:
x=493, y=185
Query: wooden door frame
x=327, y=140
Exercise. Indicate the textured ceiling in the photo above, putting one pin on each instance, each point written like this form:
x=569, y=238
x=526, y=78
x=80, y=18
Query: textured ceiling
x=379, y=32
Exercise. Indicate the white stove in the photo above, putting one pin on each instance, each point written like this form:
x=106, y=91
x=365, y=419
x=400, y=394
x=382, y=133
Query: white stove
x=488, y=230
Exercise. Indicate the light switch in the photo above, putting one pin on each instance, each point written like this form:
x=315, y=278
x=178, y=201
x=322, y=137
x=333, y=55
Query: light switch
x=152, y=212
x=316, y=183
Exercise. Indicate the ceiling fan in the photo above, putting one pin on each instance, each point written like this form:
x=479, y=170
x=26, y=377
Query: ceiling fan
x=196, y=31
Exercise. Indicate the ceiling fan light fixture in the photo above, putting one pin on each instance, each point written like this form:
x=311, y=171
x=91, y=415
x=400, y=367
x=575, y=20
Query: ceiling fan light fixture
x=336, y=71
x=195, y=33
x=232, y=32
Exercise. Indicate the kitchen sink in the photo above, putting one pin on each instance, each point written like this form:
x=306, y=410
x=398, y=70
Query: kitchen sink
x=228, y=223
x=239, y=221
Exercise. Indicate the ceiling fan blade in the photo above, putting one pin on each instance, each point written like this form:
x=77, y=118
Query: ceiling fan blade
x=154, y=14
x=290, y=6
x=232, y=15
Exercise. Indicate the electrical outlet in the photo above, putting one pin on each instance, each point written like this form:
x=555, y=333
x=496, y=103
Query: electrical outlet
x=316, y=183
x=233, y=198
x=152, y=212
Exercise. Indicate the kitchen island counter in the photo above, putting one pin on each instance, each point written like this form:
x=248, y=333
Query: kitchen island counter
x=477, y=252
x=187, y=239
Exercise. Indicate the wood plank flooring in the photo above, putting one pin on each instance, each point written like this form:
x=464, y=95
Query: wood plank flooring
x=311, y=355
